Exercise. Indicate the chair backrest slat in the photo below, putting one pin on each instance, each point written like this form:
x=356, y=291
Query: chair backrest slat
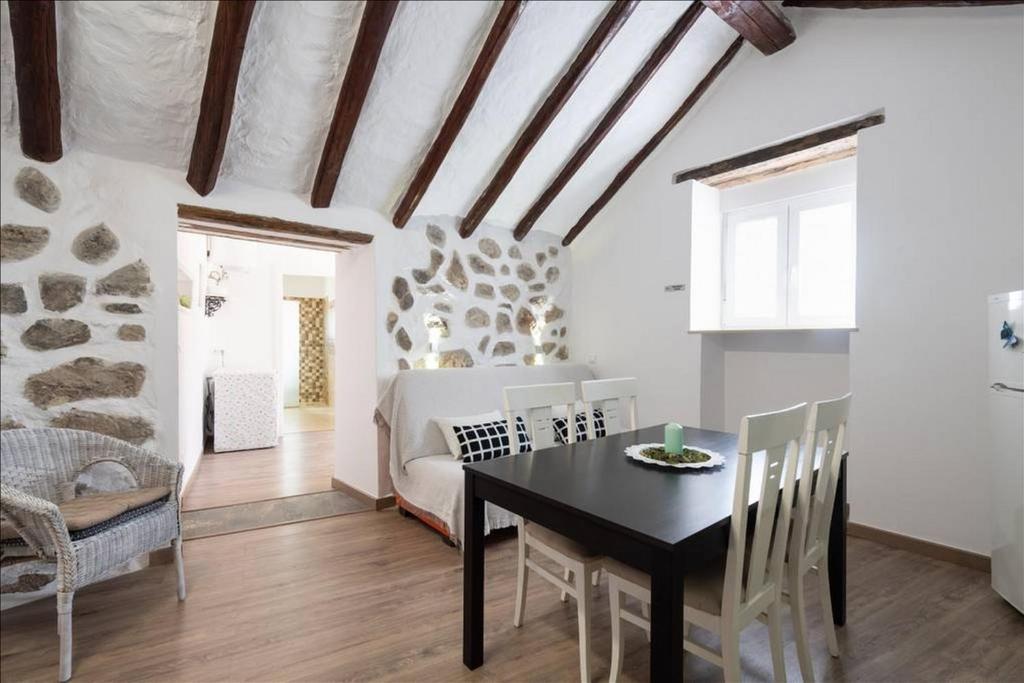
x=616, y=399
x=534, y=403
x=777, y=435
x=824, y=439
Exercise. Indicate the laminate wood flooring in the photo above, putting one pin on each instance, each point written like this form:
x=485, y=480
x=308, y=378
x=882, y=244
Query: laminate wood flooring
x=373, y=596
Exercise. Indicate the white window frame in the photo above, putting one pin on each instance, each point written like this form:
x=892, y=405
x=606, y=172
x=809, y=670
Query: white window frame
x=814, y=201
x=787, y=214
x=730, y=320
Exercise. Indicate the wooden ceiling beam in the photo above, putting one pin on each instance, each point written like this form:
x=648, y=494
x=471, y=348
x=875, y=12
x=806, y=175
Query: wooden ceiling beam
x=654, y=61
x=894, y=4
x=218, y=101
x=633, y=164
x=556, y=99
x=760, y=22
x=225, y=220
x=34, y=37
x=501, y=29
x=373, y=31
x=797, y=144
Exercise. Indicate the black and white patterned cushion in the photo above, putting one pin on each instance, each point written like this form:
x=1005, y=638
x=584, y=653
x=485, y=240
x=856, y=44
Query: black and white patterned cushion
x=562, y=433
x=487, y=440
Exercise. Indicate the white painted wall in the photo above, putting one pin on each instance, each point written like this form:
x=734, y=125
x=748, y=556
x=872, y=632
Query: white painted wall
x=940, y=219
x=193, y=352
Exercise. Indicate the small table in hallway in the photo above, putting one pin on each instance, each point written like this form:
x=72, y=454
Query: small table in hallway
x=660, y=521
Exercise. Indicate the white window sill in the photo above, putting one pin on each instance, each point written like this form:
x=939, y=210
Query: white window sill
x=740, y=330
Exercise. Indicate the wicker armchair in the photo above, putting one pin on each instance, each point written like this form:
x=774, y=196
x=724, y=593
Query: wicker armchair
x=34, y=466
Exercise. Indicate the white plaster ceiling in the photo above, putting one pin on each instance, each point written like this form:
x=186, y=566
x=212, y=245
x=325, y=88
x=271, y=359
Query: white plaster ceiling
x=132, y=76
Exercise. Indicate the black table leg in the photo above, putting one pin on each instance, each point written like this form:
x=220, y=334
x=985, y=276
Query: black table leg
x=473, y=578
x=667, y=618
x=837, y=551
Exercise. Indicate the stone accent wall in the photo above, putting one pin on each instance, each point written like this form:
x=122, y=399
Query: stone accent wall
x=312, y=365
x=488, y=295
x=75, y=308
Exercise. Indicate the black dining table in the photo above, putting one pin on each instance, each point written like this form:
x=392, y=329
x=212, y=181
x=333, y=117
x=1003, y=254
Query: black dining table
x=663, y=521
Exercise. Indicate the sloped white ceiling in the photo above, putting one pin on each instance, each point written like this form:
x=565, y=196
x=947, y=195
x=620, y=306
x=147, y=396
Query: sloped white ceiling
x=132, y=75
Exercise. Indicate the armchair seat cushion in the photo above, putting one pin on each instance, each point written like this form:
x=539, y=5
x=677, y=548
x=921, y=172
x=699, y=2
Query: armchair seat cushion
x=89, y=511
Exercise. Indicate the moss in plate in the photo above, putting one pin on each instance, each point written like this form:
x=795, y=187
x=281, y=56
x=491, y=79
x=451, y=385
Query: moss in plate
x=689, y=456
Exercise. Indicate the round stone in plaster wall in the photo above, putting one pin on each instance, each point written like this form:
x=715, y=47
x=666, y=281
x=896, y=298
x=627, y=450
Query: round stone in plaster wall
x=403, y=340
x=391, y=321
x=456, y=274
x=477, y=317
x=123, y=309
x=503, y=323
x=538, y=287
x=403, y=364
x=55, y=333
x=563, y=353
x=36, y=189
x=505, y=269
x=12, y=299
x=134, y=430
x=443, y=306
x=524, y=320
x=553, y=251
x=489, y=248
x=510, y=292
x=130, y=280
x=10, y=423
x=84, y=378
x=482, y=290
x=61, y=291
x=541, y=258
x=458, y=358
x=513, y=252
x=400, y=289
x=131, y=333
x=95, y=245
x=482, y=346
x=551, y=274
x=425, y=275
x=525, y=272
x=436, y=236
x=503, y=348
x=479, y=265
x=19, y=242
x=552, y=314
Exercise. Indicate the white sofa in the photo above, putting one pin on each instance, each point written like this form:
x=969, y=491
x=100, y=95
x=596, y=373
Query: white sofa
x=427, y=480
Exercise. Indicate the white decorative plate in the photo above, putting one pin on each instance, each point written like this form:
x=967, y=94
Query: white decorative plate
x=636, y=452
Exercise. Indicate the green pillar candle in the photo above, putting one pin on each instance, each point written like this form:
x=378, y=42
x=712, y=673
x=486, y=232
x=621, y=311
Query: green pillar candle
x=673, y=438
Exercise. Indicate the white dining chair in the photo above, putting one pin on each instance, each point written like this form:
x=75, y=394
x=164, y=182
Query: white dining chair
x=614, y=400
x=808, y=544
x=536, y=405
x=727, y=596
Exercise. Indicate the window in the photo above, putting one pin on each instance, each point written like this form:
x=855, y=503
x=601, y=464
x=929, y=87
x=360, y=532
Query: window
x=791, y=264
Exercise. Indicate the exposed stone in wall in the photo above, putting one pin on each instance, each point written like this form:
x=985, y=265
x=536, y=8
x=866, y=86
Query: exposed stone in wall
x=403, y=340
x=61, y=291
x=479, y=265
x=563, y=353
x=391, y=321
x=483, y=290
x=83, y=378
x=551, y=275
x=505, y=269
x=132, y=333
x=524, y=320
x=12, y=299
x=436, y=288
x=130, y=280
x=443, y=306
x=541, y=258
x=400, y=289
x=525, y=272
x=55, y=333
x=552, y=251
x=538, y=287
x=561, y=332
x=552, y=314
x=95, y=245
x=513, y=252
x=459, y=358
x=503, y=323
x=36, y=189
x=529, y=359
x=436, y=235
x=510, y=292
x=456, y=274
x=19, y=242
x=482, y=346
x=425, y=275
x=124, y=309
x=489, y=247
x=29, y=582
x=503, y=348
x=538, y=301
x=9, y=422
x=132, y=429
x=403, y=364
x=548, y=347
x=477, y=317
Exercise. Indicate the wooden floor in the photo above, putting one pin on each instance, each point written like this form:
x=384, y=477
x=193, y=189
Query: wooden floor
x=373, y=596
x=302, y=463
x=308, y=418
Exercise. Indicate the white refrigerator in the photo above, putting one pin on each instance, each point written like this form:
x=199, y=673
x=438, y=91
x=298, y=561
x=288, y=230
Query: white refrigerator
x=1006, y=431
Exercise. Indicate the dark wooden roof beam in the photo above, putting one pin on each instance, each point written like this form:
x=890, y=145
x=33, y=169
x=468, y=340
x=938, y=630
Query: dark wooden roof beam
x=760, y=22
x=34, y=37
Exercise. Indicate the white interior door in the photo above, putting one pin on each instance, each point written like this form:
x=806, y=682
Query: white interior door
x=290, y=352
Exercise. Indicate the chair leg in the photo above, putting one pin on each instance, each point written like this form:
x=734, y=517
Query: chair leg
x=567, y=575
x=825, y=592
x=64, y=604
x=584, y=593
x=645, y=612
x=179, y=564
x=522, y=574
x=731, y=654
x=798, y=608
x=618, y=638
x=775, y=639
